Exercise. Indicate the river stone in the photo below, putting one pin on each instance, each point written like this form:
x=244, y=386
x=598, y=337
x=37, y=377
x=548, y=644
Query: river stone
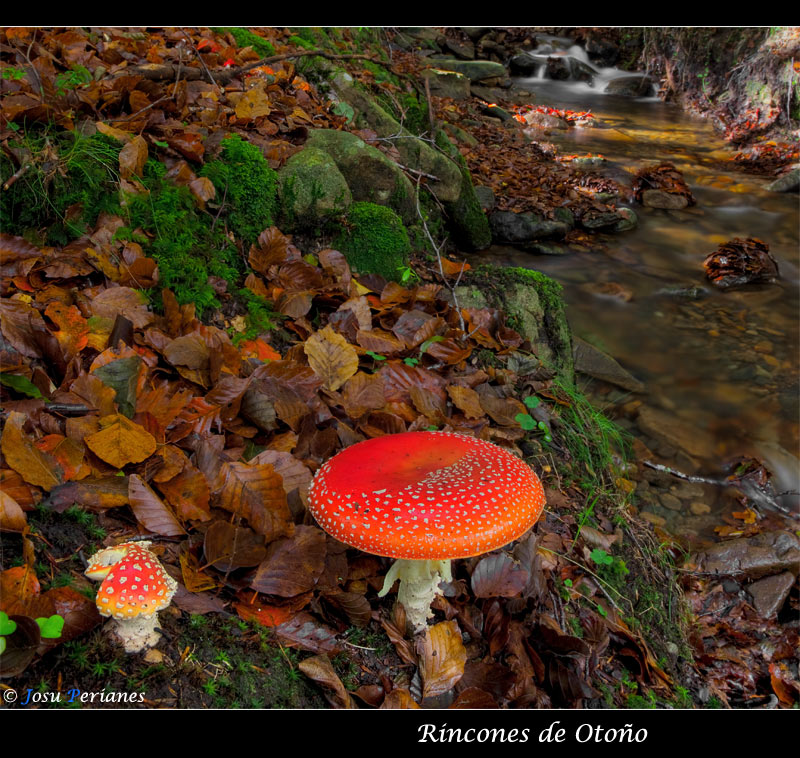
x=312, y=189
x=595, y=363
x=770, y=594
x=370, y=175
x=520, y=229
x=558, y=67
x=653, y=518
x=789, y=182
x=670, y=501
x=464, y=49
x=476, y=70
x=475, y=32
x=755, y=557
x=630, y=86
x=523, y=65
x=699, y=509
x=447, y=83
x=655, y=198
x=545, y=121
x=459, y=134
x=485, y=197
x=628, y=220
x=666, y=428
x=602, y=52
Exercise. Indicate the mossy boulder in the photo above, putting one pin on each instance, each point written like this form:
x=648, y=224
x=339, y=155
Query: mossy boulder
x=242, y=176
x=447, y=83
x=312, y=190
x=414, y=152
x=468, y=223
x=475, y=71
x=374, y=240
x=533, y=304
x=369, y=174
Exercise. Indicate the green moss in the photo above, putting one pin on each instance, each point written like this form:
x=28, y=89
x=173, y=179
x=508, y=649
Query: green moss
x=72, y=179
x=374, y=240
x=248, y=185
x=300, y=42
x=246, y=38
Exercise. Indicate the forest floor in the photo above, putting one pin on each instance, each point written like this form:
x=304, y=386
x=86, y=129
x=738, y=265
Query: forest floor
x=196, y=418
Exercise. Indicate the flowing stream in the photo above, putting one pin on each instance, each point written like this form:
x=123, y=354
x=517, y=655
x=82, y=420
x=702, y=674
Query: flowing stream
x=723, y=364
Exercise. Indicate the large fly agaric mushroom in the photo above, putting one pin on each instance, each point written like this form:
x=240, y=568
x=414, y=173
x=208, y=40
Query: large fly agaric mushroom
x=425, y=498
x=135, y=588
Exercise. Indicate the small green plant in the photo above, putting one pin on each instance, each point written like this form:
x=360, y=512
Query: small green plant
x=78, y=76
x=14, y=74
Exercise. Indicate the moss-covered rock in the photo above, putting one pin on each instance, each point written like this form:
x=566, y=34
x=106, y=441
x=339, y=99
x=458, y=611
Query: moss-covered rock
x=312, y=190
x=374, y=240
x=242, y=177
x=468, y=223
x=414, y=152
x=370, y=175
x=475, y=71
x=533, y=304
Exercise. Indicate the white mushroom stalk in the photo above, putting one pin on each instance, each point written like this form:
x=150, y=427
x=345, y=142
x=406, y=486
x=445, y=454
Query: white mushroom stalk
x=425, y=498
x=419, y=586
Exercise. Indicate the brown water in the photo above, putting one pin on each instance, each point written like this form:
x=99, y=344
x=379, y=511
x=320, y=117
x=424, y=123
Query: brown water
x=724, y=362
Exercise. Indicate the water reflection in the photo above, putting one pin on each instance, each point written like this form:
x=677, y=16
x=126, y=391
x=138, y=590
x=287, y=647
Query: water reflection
x=724, y=362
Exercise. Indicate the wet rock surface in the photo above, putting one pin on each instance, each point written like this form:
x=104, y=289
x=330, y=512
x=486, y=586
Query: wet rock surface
x=770, y=594
x=754, y=557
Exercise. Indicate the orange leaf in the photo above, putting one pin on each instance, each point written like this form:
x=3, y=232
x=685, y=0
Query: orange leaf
x=266, y=615
x=132, y=158
x=121, y=441
x=22, y=455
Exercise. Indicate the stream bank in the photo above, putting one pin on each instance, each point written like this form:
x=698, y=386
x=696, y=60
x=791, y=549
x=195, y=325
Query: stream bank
x=589, y=614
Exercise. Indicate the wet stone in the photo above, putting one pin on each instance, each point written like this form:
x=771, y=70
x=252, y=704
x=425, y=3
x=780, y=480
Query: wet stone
x=653, y=518
x=699, y=509
x=754, y=557
x=670, y=501
x=770, y=594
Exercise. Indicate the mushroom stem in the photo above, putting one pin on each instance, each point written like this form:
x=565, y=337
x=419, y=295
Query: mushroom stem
x=419, y=585
x=137, y=634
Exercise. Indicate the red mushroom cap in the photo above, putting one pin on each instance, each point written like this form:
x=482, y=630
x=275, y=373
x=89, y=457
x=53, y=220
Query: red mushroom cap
x=426, y=496
x=136, y=586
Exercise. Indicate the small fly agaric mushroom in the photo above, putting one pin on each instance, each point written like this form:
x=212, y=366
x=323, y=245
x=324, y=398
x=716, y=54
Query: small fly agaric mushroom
x=135, y=588
x=425, y=498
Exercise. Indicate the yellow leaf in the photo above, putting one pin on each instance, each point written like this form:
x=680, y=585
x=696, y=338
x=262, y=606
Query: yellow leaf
x=332, y=357
x=442, y=657
x=121, y=441
x=34, y=466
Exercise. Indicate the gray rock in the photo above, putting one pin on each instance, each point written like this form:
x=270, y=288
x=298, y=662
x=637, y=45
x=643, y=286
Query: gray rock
x=463, y=50
x=447, y=83
x=666, y=428
x=414, y=152
x=602, y=52
x=475, y=70
x=558, y=67
x=595, y=363
x=670, y=501
x=655, y=198
x=523, y=65
x=630, y=86
x=770, y=594
x=475, y=32
x=370, y=175
x=485, y=197
x=789, y=182
x=312, y=189
x=754, y=557
x=520, y=229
